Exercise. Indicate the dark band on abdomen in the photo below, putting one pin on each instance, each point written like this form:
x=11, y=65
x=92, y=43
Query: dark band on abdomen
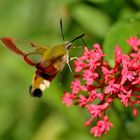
x=47, y=76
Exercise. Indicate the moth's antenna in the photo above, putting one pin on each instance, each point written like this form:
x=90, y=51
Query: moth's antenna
x=61, y=28
x=80, y=36
x=69, y=44
x=83, y=42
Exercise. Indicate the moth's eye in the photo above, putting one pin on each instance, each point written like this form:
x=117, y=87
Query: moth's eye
x=68, y=46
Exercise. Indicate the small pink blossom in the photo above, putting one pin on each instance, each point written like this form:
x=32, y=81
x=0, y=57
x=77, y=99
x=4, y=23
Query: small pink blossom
x=89, y=76
x=125, y=61
x=100, y=96
x=135, y=112
x=102, y=127
x=127, y=75
x=107, y=73
x=88, y=54
x=88, y=122
x=134, y=42
x=82, y=100
x=118, y=54
x=79, y=65
x=93, y=64
x=98, y=52
x=112, y=87
x=68, y=98
x=137, y=80
x=125, y=98
x=76, y=86
x=136, y=55
x=95, y=110
x=92, y=95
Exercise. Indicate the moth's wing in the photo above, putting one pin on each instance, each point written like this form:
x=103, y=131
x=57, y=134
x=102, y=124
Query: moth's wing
x=31, y=53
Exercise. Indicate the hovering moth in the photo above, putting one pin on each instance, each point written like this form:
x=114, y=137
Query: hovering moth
x=50, y=61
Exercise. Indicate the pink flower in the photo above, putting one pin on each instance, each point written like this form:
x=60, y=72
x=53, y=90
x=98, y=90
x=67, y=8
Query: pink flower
x=127, y=75
x=112, y=88
x=107, y=73
x=89, y=76
x=68, y=98
x=134, y=42
x=135, y=112
x=100, y=96
x=76, y=86
x=137, y=80
x=92, y=95
x=125, y=61
x=102, y=127
x=98, y=52
x=118, y=54
x=87, y=54
x=125, y=98
x=79, y=65
x=97, y=84
x=92, y=64
x=96, y=110
x=82, y=100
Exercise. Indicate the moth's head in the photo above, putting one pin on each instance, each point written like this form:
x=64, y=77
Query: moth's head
x=68, y=45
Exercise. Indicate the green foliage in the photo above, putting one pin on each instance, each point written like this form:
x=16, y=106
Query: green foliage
x=108, y=22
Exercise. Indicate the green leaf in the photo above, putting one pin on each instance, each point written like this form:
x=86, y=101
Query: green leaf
x=137, y=2
x=6, y=111
x=98, y=1
x=51, y=128
x=118, y=35
x=92, y=19
x=132, y=128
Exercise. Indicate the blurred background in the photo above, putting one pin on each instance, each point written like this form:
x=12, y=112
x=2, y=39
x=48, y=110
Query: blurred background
x=108, y=22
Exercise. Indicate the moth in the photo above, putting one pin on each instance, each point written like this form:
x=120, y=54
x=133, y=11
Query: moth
x=50, y=60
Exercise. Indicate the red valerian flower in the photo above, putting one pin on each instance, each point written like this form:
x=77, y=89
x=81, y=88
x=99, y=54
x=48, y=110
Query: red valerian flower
x=98, y=84
x=125, y=98
x=102, y=127
x=89, y=76
x=96, y=110
x=76, y=86
x=134, y=42
x=68, y=98
x=79, y=65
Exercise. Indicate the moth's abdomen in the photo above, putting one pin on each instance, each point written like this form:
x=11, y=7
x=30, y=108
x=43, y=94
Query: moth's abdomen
x=36, y=92
x=40, y=82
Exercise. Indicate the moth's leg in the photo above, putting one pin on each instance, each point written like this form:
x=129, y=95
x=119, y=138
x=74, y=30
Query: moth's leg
x=73, y=58
x=77, y=47
x=33, y=45
x=84, y=42
x=67, y=61
x=70, y=68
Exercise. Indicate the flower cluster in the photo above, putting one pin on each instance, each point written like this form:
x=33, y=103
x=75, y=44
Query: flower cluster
x=96, y=85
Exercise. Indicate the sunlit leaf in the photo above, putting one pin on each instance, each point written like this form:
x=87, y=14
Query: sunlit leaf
x=92, y=19
x=118, y=34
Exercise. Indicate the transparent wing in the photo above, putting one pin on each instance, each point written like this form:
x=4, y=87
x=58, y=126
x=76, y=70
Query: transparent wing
x=31, y=53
